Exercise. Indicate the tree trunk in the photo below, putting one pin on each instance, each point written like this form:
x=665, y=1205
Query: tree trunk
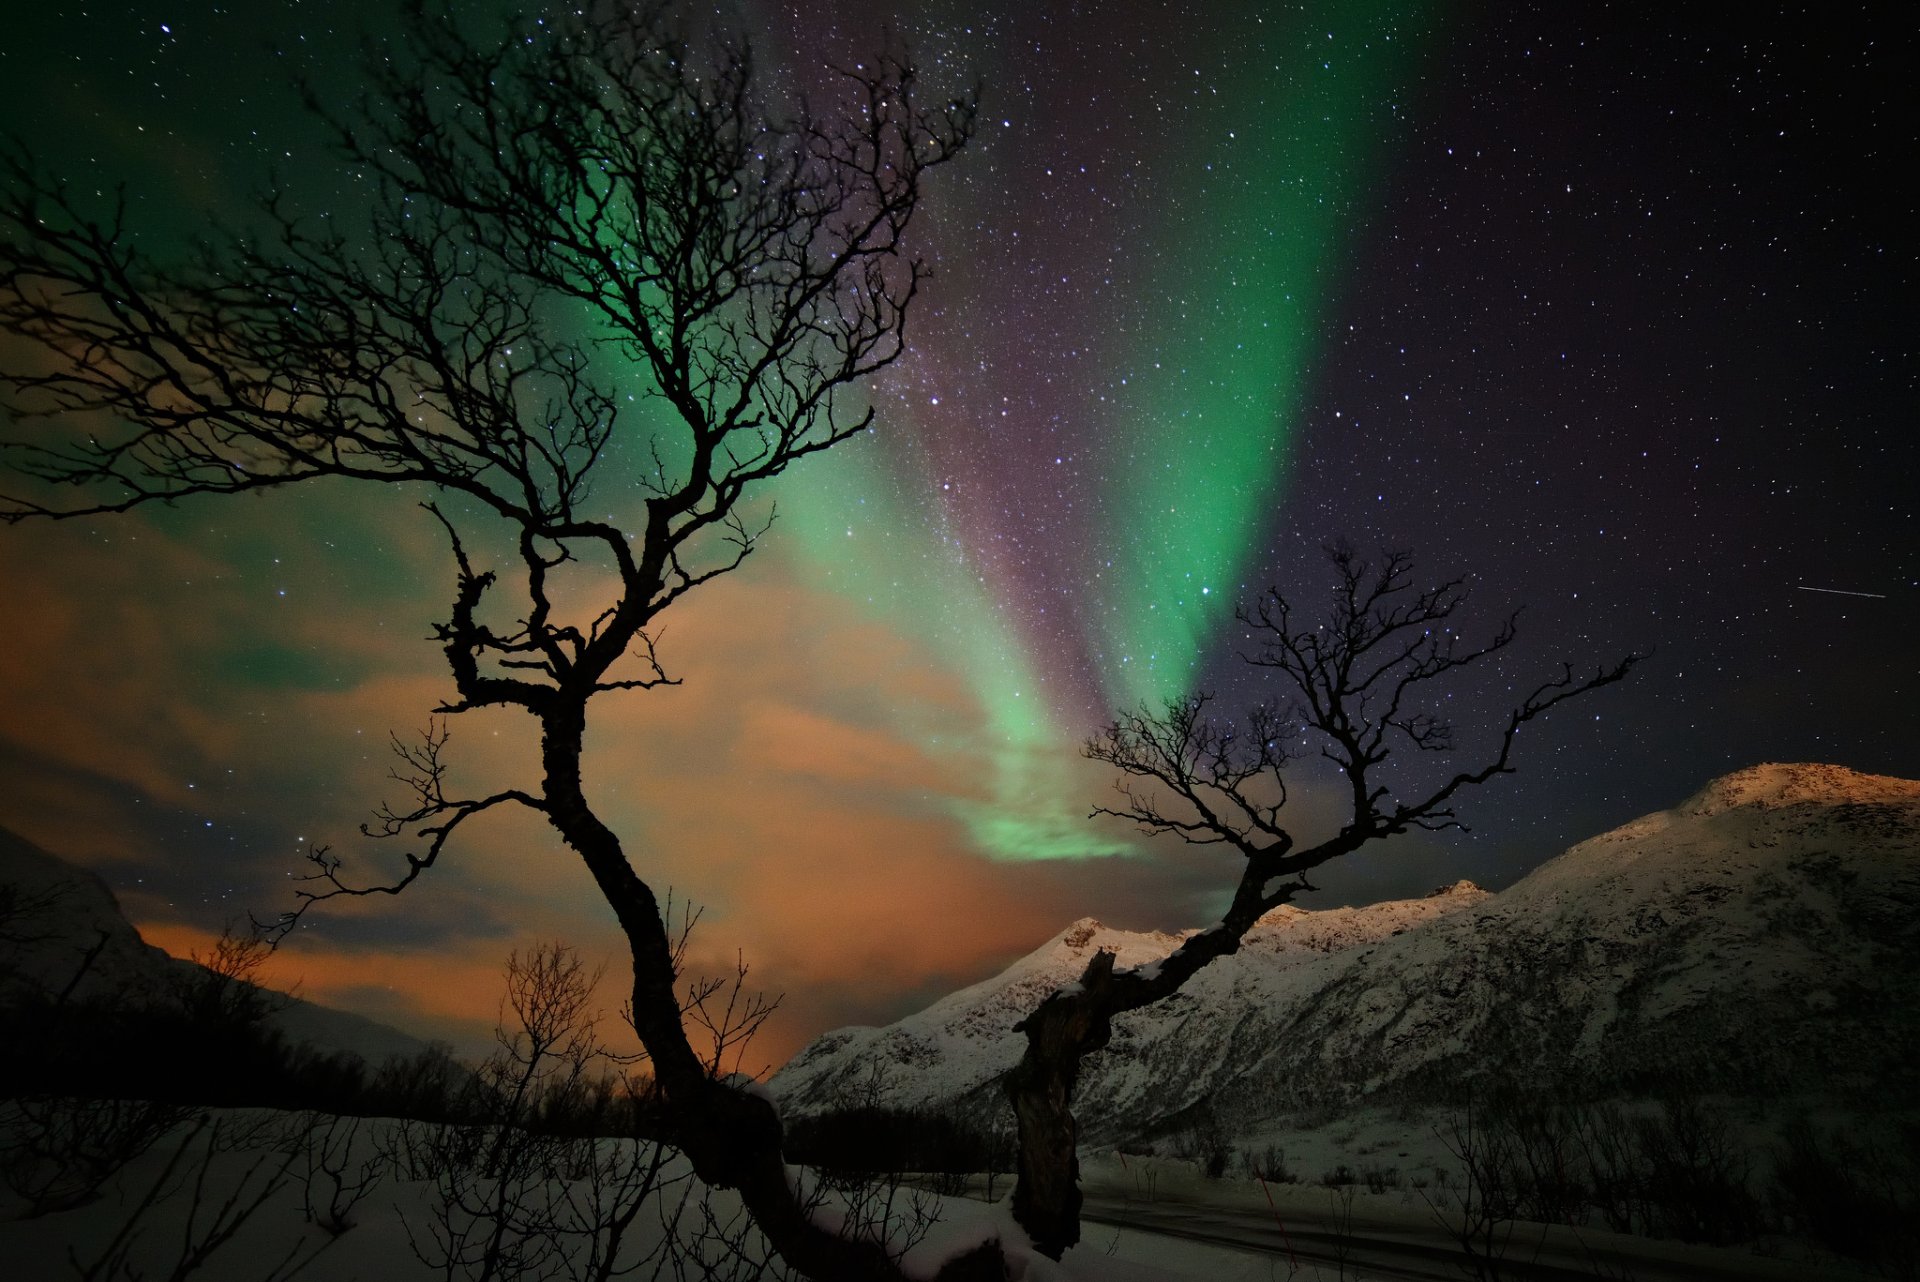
x=732, y=1138
x=1068, y=1025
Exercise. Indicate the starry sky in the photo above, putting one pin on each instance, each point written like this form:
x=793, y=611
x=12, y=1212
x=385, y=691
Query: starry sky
x=1608, y=310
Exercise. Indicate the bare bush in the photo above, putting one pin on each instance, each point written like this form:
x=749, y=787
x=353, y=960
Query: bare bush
x=1698, y=1176
x=1338, y=1176
x=1856, y=1197
x=1541, y=1141
x=335, y=1177
x=1610, y=1156
x=221, y=993
x=592, y=1215
x=424, y=1085
x=202, y=1169
x=1677, y=1171
x=1269, y=1164
x=1480, y=1215
x=1379, y=1178
x=1202, y=1140
x=58, y=1153
x=496, y=1176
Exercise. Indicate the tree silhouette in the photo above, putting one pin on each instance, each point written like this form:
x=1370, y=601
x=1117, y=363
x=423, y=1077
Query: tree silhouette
x=1355, y=686
x=584, y=192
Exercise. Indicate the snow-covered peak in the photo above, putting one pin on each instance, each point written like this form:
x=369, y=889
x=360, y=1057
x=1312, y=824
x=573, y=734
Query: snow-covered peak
x=1131, y=947
x=964, y=1041
x=1776, y=784
x=1724, y=831
x=1760, y=935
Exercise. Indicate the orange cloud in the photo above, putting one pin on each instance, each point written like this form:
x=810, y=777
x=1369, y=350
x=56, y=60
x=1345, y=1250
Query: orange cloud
x=801, y=784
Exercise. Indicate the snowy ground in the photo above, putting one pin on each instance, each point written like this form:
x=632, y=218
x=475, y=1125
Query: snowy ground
x=246, y=1198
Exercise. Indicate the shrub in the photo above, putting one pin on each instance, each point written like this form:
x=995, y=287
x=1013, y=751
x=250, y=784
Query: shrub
x=1697, y=1176
x=1202, y=1140
x=1860, y=1199
x=1269, y=1164
x=1380, y=1178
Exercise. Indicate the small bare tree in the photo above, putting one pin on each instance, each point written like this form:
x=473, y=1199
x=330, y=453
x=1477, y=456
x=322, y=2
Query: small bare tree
x=335, y=1169
x=1356, y=687
x=220, y=992
x=518, y=1192
x=551, y=1042
x=587, y=205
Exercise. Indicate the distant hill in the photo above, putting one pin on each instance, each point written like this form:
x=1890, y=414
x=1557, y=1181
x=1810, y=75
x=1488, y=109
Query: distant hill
x=52, y=913
x=1761, y=938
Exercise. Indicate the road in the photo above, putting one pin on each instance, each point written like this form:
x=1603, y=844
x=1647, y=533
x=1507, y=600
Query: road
x=1339, y=1244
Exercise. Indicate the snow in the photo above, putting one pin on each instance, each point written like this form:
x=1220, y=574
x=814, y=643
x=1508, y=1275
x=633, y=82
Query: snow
x=391, y=1228
x=395, y=1224
x=1776, y=785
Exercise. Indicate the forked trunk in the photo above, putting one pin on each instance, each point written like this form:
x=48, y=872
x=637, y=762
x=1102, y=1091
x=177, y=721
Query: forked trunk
x=1072, y=1023
x=1069, y=1025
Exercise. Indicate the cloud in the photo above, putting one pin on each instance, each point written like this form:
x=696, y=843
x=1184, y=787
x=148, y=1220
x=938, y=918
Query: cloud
x=450, y=994
x=813, y=782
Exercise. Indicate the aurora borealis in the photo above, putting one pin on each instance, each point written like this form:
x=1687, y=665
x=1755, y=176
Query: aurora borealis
x=1218, y=222
x=1609, y=311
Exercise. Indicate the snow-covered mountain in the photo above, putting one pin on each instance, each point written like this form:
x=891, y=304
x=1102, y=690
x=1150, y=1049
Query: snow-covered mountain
x=52, y=914
x=1761, y=937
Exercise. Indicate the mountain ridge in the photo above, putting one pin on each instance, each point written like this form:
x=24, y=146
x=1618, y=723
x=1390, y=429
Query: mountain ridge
x=1763, y=936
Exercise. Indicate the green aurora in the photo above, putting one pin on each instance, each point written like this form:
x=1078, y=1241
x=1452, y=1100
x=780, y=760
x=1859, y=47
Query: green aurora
x=1256, y=214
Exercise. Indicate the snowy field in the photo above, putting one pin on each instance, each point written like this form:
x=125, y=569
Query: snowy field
x=255, y=1196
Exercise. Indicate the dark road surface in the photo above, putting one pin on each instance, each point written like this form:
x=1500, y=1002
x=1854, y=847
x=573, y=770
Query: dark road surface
x=1309, y=1248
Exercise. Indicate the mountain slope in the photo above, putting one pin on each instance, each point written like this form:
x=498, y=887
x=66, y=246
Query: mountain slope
x=957, y=1048
x=1762, y=937
x=52, y=914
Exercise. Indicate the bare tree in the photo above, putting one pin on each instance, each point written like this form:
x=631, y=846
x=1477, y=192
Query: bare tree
x=492, y=1193
x=220, y=993
x=1356, y=687
x=547, y=1049
x=587, y=173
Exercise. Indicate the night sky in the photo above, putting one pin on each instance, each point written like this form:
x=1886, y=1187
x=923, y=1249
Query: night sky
x=1609, y=309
